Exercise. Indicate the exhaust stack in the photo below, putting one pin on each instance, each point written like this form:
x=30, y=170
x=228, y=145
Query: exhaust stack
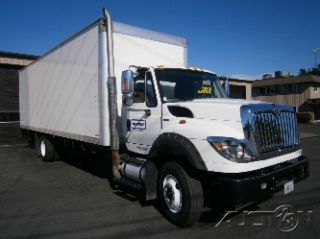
x=112, y=98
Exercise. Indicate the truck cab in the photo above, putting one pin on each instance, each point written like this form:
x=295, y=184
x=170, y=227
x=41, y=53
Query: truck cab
x=160, y=100
x=194, y=141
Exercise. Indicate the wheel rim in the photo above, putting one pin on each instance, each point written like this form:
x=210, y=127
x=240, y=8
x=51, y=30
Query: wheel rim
x=172, y=193
x=42, y=148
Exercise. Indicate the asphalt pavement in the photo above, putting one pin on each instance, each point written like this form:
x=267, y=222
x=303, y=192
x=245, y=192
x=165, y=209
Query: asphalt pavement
x=72, y=198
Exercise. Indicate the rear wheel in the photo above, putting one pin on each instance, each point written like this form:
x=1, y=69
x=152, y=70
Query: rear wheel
x=46, y=149
x=180, y=195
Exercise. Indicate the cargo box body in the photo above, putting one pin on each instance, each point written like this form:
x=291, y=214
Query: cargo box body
x=64, y=93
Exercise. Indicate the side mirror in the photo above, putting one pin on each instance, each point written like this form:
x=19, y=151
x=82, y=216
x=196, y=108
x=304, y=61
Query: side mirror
x=127, y=88
x=127, y=84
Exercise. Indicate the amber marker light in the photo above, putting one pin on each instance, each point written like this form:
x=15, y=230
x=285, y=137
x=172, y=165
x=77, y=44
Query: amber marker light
x=218, y=145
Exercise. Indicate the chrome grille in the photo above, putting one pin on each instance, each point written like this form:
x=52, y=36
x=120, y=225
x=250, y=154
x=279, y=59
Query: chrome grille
x=275, y=131
x=271, y=129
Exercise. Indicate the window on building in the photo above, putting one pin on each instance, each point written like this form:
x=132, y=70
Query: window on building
x=262, y=91
x=297, y=88
x=267, y=90
x=287, y=89
x=279, y=89
x=316, y=89
x=255, y=91
x=272, y=90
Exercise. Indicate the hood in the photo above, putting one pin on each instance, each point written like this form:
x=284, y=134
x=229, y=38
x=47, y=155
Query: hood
x=215, y=109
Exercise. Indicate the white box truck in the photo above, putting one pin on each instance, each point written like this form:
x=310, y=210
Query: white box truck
x=183, y=141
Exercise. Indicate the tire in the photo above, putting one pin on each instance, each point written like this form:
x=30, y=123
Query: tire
x=46, y=149
x=180, y=196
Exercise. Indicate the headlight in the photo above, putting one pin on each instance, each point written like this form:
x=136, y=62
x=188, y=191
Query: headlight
x=233, y=149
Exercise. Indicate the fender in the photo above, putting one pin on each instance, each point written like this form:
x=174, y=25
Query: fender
x=177, y=145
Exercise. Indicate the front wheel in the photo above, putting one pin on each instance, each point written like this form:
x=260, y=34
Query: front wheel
x=180, y=195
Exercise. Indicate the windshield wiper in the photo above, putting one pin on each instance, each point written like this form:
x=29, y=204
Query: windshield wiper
x=190, y=99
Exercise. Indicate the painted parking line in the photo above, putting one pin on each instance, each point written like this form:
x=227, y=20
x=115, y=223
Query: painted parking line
x=11, y=145
x=9, y=122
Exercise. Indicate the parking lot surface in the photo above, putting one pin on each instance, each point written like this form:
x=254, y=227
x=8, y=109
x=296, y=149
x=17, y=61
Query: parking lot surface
x=72, y=198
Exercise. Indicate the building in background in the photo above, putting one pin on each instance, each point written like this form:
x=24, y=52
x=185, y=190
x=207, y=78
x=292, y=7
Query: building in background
x=239, y=88
x=10, y=63
x=302, y=92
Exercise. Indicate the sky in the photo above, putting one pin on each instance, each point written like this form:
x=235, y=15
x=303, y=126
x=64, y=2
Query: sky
x=245, y=38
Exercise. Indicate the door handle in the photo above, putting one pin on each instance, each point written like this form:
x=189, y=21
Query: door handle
x=148, y=112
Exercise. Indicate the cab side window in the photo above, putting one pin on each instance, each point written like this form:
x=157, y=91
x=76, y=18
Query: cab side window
x=144, y=92
x=139, y=88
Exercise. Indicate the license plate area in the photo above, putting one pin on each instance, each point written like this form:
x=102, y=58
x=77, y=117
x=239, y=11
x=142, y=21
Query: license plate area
x=288, y=187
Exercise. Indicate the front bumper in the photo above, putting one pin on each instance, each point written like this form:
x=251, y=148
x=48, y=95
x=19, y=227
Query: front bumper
x=246, y=187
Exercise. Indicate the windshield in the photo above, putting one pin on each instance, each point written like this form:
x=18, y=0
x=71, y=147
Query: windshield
x=179, y=84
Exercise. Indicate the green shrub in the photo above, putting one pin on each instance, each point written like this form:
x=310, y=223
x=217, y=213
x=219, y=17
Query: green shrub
x=305, y=117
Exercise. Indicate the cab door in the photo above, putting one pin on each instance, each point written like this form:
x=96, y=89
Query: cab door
x=144, y=115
